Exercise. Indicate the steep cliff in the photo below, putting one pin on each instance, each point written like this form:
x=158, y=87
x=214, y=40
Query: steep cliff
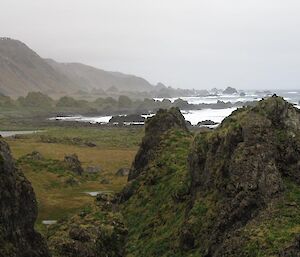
x=18, y=212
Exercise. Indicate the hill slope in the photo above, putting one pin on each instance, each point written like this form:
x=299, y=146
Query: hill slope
x=22, y=71
x=89, y=78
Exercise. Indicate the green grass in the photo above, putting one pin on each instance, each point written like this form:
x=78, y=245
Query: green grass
x=103, y=137
x=116, y=148
x=155, y=212
x=276, y=227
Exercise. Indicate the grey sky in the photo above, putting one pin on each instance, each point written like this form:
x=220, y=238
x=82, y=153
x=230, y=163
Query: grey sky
x=182, y=43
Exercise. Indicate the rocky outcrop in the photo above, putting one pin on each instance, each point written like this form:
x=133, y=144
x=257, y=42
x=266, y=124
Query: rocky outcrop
x=18, y=212
x=207, y=123
x=244, y=162
x=155, y=127
x=127, y=118
x=97, y=231
x=73, y=164
x=236, y=192
x=230, y=91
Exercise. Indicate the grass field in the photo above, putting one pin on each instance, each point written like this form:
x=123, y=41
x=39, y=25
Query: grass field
x=115, y=148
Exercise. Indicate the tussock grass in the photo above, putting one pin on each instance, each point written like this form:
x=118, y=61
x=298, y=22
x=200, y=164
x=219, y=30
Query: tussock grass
x=115, y=148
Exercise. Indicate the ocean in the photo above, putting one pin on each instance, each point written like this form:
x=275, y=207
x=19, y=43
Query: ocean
x=195, y=116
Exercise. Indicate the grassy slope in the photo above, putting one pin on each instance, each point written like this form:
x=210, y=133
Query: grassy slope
x=154, y=213
x=276, y=227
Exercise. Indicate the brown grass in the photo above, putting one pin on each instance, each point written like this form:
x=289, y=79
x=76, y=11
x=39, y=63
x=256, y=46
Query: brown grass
x=56, y=201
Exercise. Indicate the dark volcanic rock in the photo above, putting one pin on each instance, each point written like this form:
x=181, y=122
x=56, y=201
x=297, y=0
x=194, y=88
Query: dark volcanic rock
x=230, y=91
x=155, y=127
x=18, y=212
x=127, y=118
x=73, y=163
x=207, y=123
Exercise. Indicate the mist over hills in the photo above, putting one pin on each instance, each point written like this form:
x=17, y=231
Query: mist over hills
x=22, y=70
x=89, y=78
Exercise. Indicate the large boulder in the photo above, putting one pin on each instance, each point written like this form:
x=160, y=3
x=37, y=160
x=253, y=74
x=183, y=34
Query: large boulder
x=207, y=123
x=74, y=164
x=18, y=212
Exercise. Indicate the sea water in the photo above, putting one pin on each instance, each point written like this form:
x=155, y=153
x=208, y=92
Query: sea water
x=195, y=116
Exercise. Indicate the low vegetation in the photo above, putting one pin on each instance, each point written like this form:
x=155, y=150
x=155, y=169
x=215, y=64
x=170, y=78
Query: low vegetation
x=232, y=191
x=60, y=192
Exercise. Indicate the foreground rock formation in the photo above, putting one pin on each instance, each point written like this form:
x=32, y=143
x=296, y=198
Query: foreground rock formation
x=244, y=167
x=18, y=212
x=154, y=130
x=234, y=191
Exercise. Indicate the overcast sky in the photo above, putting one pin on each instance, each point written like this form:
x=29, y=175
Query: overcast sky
x=182, y=43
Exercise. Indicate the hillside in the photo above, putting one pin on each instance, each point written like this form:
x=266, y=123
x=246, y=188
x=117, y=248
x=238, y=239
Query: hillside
x=89, y=78
x=22, y=71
